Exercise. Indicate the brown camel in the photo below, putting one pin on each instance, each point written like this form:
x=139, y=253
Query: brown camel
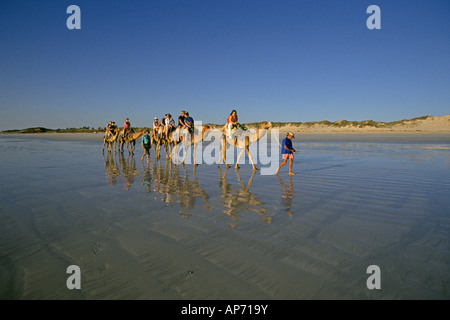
x=111, y=141
x=130, y=140
x=249, y=137
x=180, y=137
x=159, y=139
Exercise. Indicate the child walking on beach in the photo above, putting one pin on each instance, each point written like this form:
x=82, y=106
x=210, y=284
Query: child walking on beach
x=288, y=152
x=146, y=145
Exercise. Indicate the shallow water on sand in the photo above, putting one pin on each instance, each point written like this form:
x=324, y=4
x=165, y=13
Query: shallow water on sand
x=157, y=230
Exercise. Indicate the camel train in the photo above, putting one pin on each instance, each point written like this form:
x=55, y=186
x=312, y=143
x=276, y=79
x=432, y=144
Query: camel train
x=177, y=139
x=111, y=140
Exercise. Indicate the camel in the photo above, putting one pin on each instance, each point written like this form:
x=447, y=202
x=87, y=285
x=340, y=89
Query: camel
x=157, y=140
x=249, y=137
x=111, y=140
x=130, y=140
x=178, y=138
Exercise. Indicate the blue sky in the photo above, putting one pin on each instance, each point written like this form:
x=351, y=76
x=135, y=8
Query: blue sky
x=287, y=60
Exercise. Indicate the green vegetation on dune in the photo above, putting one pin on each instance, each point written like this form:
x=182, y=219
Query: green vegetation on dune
x=344, y=123
x=326, y=123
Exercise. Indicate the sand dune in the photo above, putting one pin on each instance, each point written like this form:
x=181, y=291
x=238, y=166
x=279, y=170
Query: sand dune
x=419, y=125
x=425, y=124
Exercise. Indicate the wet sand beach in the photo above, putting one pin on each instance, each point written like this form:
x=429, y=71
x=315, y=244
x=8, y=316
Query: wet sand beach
x=160, y=230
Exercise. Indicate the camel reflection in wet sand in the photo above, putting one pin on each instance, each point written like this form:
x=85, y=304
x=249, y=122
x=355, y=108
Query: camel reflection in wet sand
x=237, y=200
x=111, y=168
x=172, y=183
x=122, y=167
x=129, y=169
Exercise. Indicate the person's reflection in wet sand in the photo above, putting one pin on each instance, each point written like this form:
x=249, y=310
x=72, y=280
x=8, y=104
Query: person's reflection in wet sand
x=159, y=178
x=129, y=170
x=111, y=168
x=287, y=194
x=146, y=179
x=236, y=199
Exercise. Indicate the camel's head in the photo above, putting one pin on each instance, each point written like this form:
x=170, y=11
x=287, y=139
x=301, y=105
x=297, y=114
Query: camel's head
x=265, y=125
x=207, y=127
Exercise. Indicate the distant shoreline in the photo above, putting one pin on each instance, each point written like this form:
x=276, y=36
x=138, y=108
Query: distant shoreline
x=420, y=125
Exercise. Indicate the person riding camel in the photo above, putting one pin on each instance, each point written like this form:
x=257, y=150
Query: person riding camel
x=169, y=124
x=232, y=122
x=110, y=129
x=156, y=126
x=126, y=128
x=189, y=123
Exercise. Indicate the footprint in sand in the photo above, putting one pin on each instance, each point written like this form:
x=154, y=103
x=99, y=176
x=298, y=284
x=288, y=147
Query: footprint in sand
x=101, y=270
x=97, y=248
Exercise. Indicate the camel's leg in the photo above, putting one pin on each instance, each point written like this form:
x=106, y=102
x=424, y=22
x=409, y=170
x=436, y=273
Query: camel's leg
x=184, y=154
x=130, y=147
x=154, y=143
x=238, y=158
x=220, y=157
x=174, y=153
x=193, y=154
x=223, y=150
x=186, y=148
x=170, y=150
x=158, y=150
x=121, y=142
x=250, y=157
x=165, y=150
